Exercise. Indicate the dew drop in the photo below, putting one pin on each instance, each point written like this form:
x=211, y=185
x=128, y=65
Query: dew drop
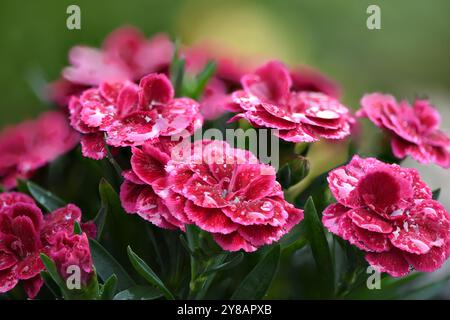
x=267, y=206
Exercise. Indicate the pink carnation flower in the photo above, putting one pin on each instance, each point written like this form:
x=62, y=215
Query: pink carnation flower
x=30, y=145
x=414, y=129
x=125, y=55
x=230, y=194
x=269, y=100
x=129, y=115
x=388, y=212
x=70, y=249
x=222, y=190
x=25, y=233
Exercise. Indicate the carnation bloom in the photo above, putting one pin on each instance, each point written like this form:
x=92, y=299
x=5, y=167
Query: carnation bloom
x=125, y=55
x=388, y=212
x=69, y=250
x=25, y=233
x=129, y=115
x=30, y=145
x=270, y=100
x=414, y=129
x=222, y=190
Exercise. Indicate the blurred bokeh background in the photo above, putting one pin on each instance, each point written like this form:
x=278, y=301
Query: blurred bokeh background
x=408, y=57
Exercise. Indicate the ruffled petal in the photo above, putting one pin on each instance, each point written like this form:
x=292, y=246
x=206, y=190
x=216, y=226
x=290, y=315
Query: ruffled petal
x=391, y=262
x=427, y=262
x=233, y=242
x=211, y=220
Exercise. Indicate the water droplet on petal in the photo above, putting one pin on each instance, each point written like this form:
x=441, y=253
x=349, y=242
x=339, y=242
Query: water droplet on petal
x=267, y=206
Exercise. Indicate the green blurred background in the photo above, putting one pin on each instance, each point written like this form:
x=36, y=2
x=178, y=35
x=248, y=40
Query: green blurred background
x=408, y=57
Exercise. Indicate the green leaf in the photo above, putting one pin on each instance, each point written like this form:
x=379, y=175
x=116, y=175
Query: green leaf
x=203, y=78
x=186, y=246
x=107, y=266
x=44, y=197
x=294, y=240
x=89, y=292
x=100, y=219
x=235, y=260
x=391, y=288
x=139, y=293
x=177, y=70
x=436, y=193
x=51, y=284
x=258, y=281
x=77, y=228
x=207, y=280
x=319, y=247
x=111, y=159
x=53, y=272
x=284, y=176
x=147, y=273
x=122, y=229
x=22, y=186
x=109, y=288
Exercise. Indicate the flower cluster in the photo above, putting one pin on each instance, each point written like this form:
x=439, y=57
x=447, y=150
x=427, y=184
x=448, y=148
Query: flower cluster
x=222, y=190
x=122, y=96
x=388, y=212
x=414, y=129
x=129, y=115
x=25, y=233
x=26, y=147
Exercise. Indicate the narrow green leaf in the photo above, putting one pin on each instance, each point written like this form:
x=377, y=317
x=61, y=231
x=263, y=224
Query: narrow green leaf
x=258, y=281
x=122, y=229
x=147, y=273
x=231, y=263
x=107, y=266
x=51, y=284
x=391, y=288
x=111, y=159
x=177, y=69
x=186, y=246
x=100, y=219
x=44, y=197
x=53, y=272
x=319, y=247
x=89, y=292
x=203, y=78
x=139, y=293
x=77, y=228
x=109, y=288
x=206, y=283
x=22, y=186
x=436, y=193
